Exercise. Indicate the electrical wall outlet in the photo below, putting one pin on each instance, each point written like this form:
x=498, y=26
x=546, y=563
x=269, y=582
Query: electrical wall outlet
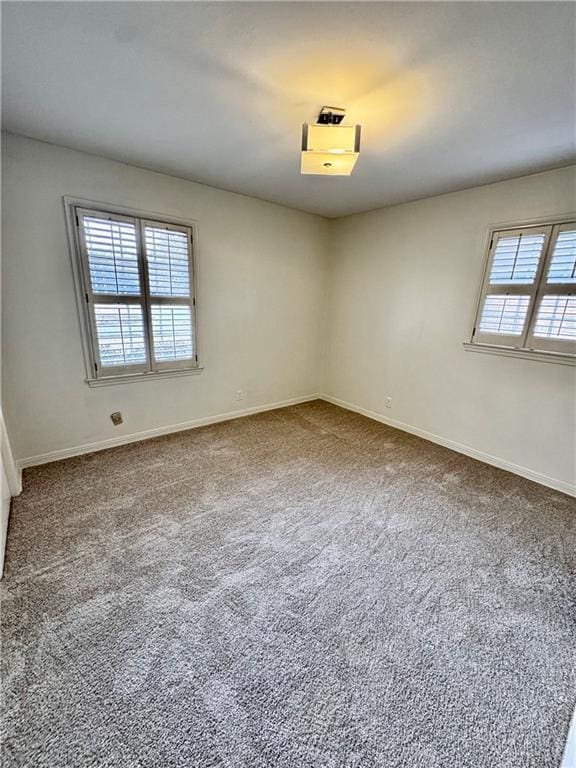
x=388, y=402
x=116, y=418
x=241, y=394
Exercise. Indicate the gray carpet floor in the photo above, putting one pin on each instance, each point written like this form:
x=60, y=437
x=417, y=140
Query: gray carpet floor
x=304, y=588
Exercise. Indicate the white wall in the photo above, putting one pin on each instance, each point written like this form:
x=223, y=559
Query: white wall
x=10, y=474
x=403, y=286
x=260, y=282
x=361, y=308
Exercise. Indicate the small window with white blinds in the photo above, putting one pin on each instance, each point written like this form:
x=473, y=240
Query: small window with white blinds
x=138, y=294
x=528, y=297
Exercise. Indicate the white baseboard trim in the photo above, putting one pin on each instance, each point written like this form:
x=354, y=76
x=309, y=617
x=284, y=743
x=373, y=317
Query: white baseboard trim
x=516, y=469
x=66, y=453
x=101, y=445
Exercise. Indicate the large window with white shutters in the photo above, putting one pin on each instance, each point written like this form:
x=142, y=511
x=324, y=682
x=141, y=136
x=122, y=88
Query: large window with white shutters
x=136, y=279
x=528, y=297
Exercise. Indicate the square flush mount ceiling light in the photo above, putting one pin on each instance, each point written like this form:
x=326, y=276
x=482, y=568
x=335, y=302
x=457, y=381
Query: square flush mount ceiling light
x=328, y=148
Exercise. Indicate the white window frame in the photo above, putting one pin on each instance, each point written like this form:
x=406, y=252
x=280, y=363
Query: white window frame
x=526, y=344
x=96, y=375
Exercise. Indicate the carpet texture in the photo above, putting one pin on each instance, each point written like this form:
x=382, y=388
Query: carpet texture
x=304, y=588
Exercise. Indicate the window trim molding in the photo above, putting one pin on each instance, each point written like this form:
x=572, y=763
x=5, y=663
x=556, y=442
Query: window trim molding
x=72, y=202
x=130, y=378
x=497, y=349
x=527, y=354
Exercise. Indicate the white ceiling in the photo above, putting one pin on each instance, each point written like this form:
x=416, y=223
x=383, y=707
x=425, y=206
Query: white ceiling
x=449, y=95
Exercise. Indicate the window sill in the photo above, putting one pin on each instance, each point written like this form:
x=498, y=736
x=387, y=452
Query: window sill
x=528, y=354
x=129, y=378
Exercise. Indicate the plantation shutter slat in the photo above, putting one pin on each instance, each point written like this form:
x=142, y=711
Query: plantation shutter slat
x=563, y=262
x=112, y=256
x=116, y=303
x=168, y=256
x=138, y=277
x=554, y=324
x=121, y=336
x=504, y=314
x=556, y=318
x=528, y=296
x=510, y=284
x=516, y=259
x=172, y=332
x=167, y=253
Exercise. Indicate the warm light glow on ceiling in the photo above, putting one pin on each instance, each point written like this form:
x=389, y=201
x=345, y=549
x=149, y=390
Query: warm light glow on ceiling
x=391, y=97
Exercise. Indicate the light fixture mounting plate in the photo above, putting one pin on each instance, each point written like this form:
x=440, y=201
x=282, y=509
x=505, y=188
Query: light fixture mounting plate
x=331, y=115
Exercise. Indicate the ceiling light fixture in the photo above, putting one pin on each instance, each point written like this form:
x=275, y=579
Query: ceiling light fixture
x=329, y=148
